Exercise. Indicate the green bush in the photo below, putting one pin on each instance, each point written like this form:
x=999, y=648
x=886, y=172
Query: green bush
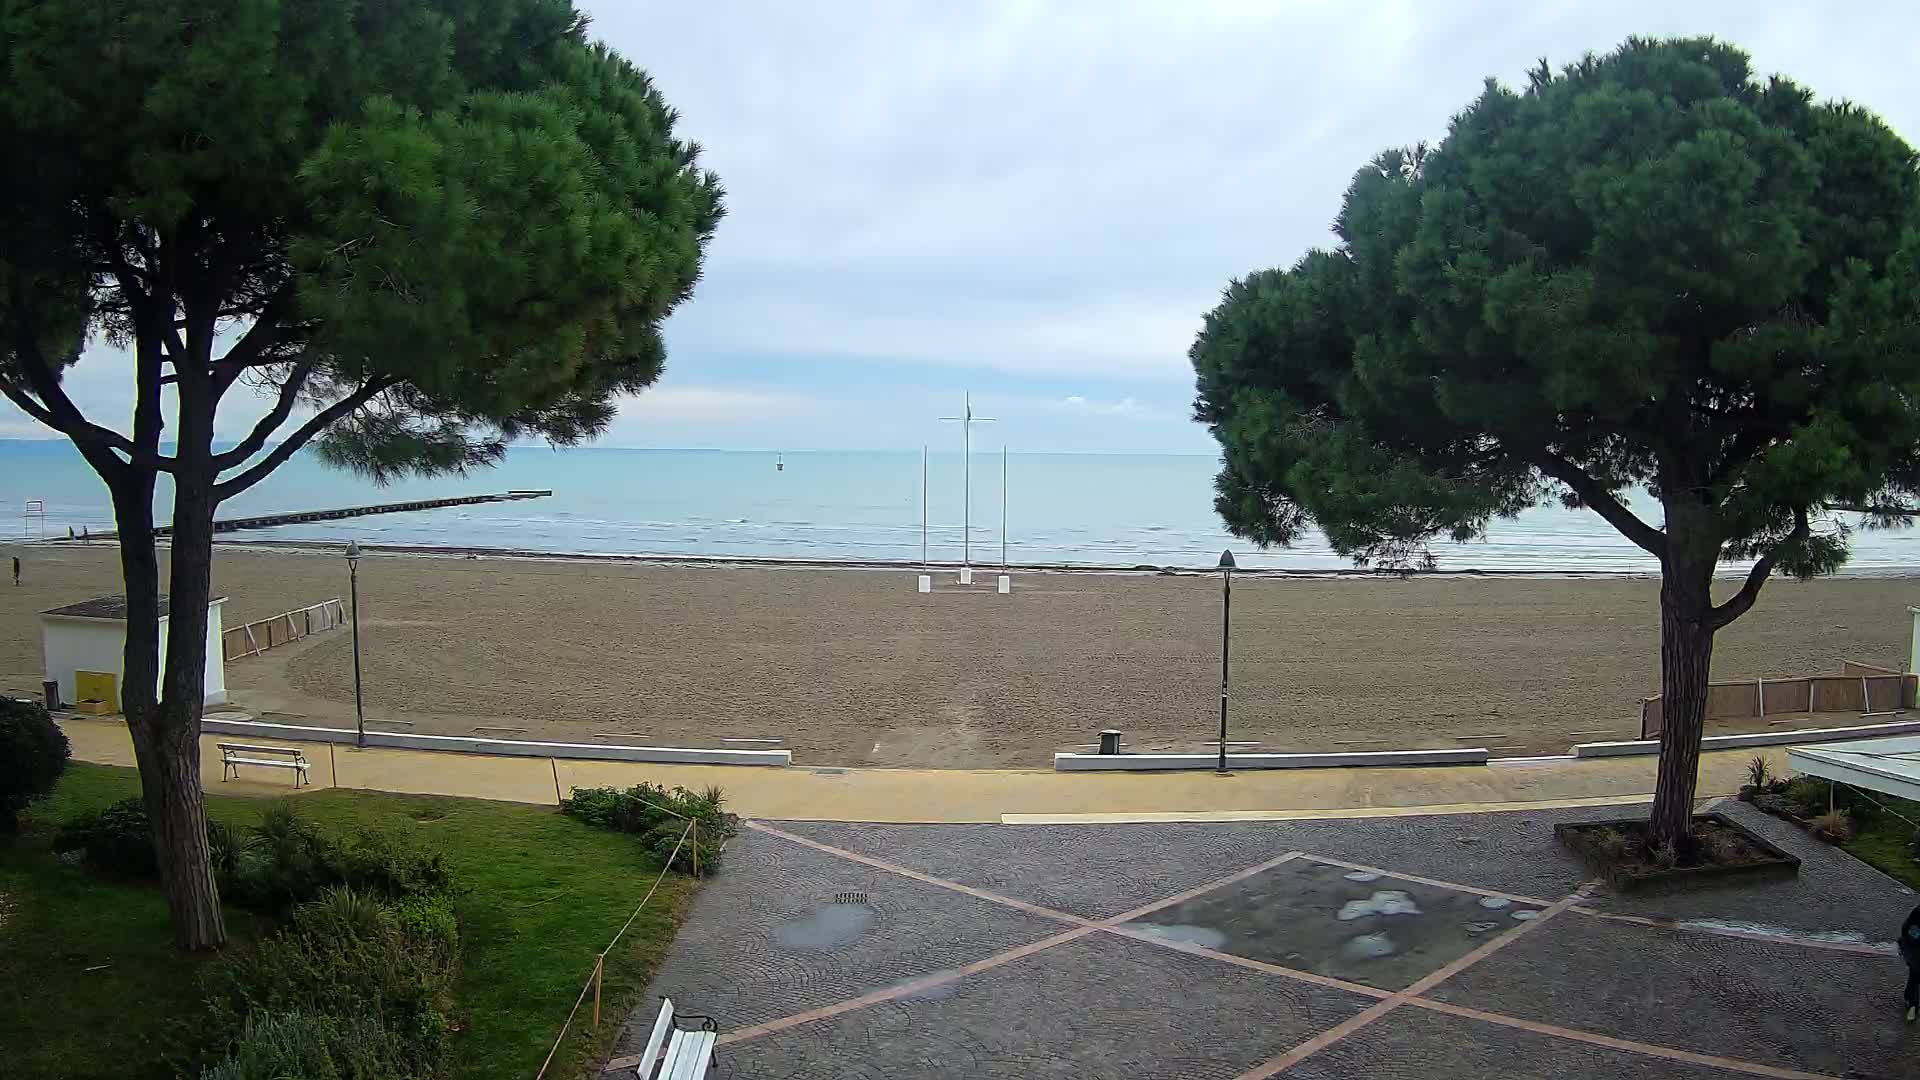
x=351, y=956
x=33, y=754
x=280, y=1046
x=286, y=860
x=1808, y=795
x=658, y=816
x=283, y=861
x=116, y=839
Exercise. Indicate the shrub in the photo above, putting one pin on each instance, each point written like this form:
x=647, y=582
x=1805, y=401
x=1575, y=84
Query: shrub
x=1834, y=826
x=1808, y=795
x=288, y=861
x=276, y=1046
x=1609, y=842
x=658, y=816
x=1722, y=846
x=354, y=957
x=393, y=864
x=116, y=839
x=1759, y=773
x=33, y=754
x=1664, y=854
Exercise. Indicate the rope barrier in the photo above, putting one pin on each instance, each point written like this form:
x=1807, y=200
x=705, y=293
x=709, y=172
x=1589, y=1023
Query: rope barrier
x=599, y=963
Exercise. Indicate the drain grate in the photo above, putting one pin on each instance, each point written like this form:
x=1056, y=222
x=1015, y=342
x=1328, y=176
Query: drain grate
x=849, y=898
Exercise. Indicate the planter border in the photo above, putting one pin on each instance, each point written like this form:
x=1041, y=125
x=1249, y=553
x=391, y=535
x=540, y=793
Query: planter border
x=1782, y=866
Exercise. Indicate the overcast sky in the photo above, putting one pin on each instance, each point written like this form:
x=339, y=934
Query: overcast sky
x=1038, y=201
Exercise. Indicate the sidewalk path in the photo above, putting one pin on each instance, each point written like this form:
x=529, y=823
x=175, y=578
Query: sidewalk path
x=956, y=795
x=1466, y=946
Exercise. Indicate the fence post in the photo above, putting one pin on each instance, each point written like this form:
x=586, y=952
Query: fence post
x=599, y=966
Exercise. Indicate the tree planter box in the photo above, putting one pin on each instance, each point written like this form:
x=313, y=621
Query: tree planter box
x=1770, y=864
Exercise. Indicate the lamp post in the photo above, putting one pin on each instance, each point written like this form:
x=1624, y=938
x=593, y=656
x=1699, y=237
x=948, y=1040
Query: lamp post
x=353, y=587
x=1226, y=619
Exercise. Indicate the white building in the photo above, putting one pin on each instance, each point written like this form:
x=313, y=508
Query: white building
x=91, y=636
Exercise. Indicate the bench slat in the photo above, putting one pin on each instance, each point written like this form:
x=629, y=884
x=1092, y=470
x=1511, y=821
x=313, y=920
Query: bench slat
x=689, y=1055
x=651, y=1054
x=271, y=763
x=249, y=749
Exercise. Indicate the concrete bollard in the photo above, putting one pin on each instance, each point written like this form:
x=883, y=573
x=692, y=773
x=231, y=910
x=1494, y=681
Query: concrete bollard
x=1110, y=741
x=926, y=582
x=1005, y=584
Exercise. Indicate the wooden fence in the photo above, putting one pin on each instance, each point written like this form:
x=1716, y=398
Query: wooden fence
x=1859, y=688
x=257, y=637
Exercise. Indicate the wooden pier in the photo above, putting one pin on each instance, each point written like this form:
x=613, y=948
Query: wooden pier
x=298, y=517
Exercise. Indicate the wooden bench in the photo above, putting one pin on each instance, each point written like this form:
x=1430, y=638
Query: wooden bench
x=689, y=1053
x=234, y=755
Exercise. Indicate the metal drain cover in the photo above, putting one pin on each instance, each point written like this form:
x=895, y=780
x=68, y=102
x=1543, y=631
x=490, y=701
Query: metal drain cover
x=850, y=898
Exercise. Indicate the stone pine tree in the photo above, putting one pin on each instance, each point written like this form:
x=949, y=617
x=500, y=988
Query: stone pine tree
x=1650, y=270
x=403, y=233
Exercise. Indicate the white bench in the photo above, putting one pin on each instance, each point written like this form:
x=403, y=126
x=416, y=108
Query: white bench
x=689, y=1054
x=234, y=755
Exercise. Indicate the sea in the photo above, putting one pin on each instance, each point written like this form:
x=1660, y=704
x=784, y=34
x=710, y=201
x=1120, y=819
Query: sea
x=1026, y=509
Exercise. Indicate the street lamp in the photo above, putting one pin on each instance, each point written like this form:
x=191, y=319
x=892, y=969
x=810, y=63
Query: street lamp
x=1226, y=618
x=353, y=586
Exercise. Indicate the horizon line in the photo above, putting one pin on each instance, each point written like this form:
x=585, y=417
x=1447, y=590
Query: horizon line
x=55, y=438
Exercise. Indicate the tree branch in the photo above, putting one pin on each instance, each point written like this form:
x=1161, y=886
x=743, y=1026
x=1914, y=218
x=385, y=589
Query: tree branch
x=1602, y=502
x=268, y=330
x=26, y=404
x=1739, y=603
x=1876, y=509
x=291, y=445
x=58, y=411
x=270, y=423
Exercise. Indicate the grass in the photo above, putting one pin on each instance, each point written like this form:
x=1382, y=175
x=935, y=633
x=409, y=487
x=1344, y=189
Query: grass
x=1881, y=840
x=541, y=895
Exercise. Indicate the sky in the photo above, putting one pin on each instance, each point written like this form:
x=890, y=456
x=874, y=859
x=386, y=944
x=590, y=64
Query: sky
x=1037, y=202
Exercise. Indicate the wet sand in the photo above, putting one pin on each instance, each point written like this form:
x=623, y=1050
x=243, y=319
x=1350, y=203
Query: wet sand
x=852, y=667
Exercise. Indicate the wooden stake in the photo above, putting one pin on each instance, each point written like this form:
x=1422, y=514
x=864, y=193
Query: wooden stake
x=599, y=966
x=693, y=834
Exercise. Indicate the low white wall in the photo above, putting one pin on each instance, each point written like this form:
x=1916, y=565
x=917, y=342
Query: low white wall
x=665, y=755
x=1759, y=738
x=1355, y=759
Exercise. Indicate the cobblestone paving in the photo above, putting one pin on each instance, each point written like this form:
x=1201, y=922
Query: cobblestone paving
x=1388, y=947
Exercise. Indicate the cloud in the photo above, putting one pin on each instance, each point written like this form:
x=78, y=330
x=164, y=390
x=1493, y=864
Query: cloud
x=1040, y=201
x=715, y=404
x=1075, y=403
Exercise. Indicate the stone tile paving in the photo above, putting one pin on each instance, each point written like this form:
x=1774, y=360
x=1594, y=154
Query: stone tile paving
x=1415, y=1044
x=1348, y=924
x=1101, y=1007
x=1776, y=1004
x=777, y=942
x=806, y=978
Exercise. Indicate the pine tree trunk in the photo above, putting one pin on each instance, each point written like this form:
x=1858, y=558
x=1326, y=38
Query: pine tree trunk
x=169, y=759
x=1686, y=664
x=166, y=738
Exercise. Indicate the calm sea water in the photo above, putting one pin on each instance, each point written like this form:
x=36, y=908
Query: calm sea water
x=1060, y=509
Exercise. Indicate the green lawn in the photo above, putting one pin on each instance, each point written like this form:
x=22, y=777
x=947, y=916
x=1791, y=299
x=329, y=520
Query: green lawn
x=542, y=894
x=1881, y=839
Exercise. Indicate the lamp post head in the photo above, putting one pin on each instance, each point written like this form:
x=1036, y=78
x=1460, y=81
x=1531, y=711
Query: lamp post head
x=1226, y=560
x=353, y=552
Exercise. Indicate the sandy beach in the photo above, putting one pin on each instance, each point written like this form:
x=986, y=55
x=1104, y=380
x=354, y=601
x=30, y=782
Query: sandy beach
x=850, y=667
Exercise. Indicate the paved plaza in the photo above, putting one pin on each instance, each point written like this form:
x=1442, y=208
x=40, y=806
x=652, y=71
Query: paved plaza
x=1464, y=946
